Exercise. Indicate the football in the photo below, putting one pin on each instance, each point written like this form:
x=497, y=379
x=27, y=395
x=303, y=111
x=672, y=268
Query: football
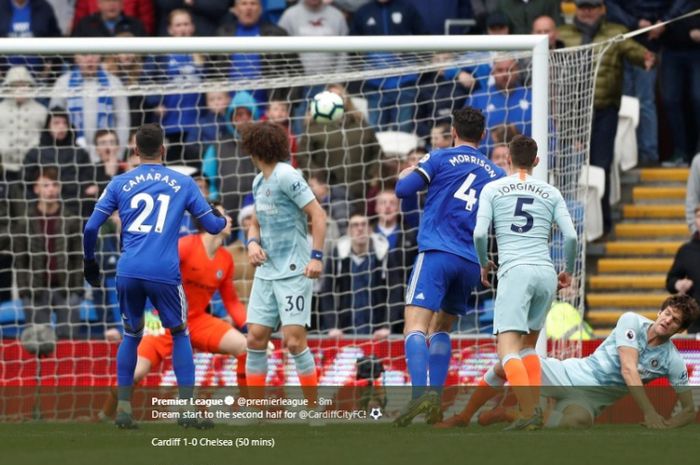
x=327, y=107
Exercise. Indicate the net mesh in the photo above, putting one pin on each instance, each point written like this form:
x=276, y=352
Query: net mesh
x=76, y=114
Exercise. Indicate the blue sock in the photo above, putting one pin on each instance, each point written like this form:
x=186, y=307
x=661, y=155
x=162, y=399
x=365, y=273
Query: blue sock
x=126, y=364
x=416, y=349
x=183, y=364
x=440, y=351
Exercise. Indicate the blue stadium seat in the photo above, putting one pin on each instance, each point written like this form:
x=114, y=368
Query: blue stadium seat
x=11, y=318
x=87, y=311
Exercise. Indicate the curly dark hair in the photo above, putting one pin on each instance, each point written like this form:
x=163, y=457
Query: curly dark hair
x=266, y=141
x=469, y=123
x=523, y=151
x=686, y=305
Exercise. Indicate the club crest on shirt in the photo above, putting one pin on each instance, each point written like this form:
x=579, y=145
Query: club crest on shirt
x=630, y=335
x=268, y=192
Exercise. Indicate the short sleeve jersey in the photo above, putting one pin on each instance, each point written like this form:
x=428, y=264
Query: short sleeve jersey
x=522, y=212
x=455, y=178
x=151, y=200
x=660, y=361
x=279, y=204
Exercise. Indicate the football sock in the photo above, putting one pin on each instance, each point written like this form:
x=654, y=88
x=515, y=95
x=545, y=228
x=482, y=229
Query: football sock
x=517, y=377
x=416, y=350
x=240, y=374
x=534, y=371
x=306, y=370
x=488, y=387
x=183, y=364
x=256, y=367
x=439, y=355
x=127, y=355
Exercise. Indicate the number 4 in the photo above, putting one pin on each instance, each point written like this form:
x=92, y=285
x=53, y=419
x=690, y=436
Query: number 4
x=467, y=194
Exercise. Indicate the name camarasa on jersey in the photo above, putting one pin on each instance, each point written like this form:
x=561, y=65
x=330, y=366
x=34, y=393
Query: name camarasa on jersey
x=520, y=187
x=136, y=180
x=482, y=162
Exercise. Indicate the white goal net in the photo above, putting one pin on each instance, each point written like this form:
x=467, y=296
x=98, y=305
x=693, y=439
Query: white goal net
x=65, y=127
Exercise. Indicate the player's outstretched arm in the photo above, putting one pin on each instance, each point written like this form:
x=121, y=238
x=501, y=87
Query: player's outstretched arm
x=318, y=233
x=687, y=413
x=628, y=367
x=91, y=269
x=213, y=221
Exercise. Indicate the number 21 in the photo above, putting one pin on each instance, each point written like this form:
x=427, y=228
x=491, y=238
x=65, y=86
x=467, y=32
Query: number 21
x=137, y=225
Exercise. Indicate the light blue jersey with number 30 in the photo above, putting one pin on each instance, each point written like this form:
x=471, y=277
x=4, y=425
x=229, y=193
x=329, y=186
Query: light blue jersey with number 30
x=151, y=200
x=455, y=177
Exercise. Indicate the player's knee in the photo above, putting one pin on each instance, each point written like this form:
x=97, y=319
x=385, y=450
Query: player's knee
x=134, y=332
x=178, y=329
x=296, y=345
x=233, y=343
x=576, y=417
x=256, y=341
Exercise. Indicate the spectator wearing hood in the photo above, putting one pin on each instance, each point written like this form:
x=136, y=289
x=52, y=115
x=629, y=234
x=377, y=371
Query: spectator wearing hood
x=230, y=172
x=57, y=149
x=21, y=121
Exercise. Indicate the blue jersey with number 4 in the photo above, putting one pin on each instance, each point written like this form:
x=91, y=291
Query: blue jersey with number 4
x=455, y=177
x=151, y=200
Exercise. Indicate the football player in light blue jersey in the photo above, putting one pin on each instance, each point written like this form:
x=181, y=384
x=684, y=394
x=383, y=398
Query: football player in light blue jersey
x=151, y=200
x=523, y=210
x=636, y=352
x=446, y=269
x=278, y=248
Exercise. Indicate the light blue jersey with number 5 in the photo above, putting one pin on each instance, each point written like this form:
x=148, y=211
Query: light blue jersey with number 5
x=523, y=211
x=151, y=200
x=455, y=178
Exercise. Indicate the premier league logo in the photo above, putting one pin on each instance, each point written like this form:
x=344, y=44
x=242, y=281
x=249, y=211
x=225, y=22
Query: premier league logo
x=219, y=274
x=630, y=335
x=654, y=363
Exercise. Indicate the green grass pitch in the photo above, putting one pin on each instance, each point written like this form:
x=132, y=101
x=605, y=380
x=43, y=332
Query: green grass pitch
x=371, y=443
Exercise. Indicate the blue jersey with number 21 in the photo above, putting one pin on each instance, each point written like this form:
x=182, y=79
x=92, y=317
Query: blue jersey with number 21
x=151, y=200
x=455, y=177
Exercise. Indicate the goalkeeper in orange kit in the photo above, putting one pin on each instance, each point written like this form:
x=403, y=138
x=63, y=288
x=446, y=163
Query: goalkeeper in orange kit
x=205, y=267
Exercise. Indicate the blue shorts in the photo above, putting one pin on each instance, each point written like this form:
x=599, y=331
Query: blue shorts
x=441, y=280
x=168, y=299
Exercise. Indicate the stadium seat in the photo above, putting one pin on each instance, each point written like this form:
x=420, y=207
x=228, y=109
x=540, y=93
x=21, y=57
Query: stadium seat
x=397, y=143
x=11, y=318
x=594, y=178
x=625, y=144
x=87, y=311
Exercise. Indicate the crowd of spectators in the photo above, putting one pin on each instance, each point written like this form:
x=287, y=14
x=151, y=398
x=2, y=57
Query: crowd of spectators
x=58, y=152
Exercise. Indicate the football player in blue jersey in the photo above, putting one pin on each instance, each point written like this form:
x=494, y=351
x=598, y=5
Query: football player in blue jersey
x=151, y=200
x=636, y=352
x=447, y=268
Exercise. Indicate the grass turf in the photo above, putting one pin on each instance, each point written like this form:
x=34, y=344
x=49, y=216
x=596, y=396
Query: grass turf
x=102, y=444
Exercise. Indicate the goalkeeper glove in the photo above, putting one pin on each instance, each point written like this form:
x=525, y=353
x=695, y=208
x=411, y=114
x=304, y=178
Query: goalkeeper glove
x=152, y=325
x=91, y=270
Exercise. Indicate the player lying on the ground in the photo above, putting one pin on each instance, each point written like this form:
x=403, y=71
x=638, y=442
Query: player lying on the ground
x=636, y=352
x=206, y=267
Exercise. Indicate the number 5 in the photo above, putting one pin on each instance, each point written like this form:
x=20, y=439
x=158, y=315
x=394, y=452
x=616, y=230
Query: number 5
x=529, y=220
x=465, y=193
